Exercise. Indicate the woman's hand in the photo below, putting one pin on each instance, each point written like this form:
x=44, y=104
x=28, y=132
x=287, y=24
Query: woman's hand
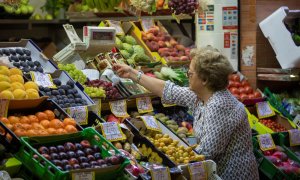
x=123, y=71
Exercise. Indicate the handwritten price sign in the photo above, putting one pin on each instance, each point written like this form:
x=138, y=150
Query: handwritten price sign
x=144, y=104
x=162, y=173
x=79, y=113
x=197, y=171
x=112, y=131
x=3, y=107
x=266, y=142
x=294, y=136
x=264, y=110
x=42, y=79
x=117, y=26
x=151, y=123
x=83, y=176
x=119, y=108
x=147, y=23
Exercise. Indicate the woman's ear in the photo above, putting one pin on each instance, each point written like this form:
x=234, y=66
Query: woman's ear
x=204, y=81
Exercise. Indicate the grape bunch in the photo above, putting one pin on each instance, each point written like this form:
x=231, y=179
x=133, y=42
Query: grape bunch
x=111, y=91
x=76, y=74
x=183, y=6
x=95, y=92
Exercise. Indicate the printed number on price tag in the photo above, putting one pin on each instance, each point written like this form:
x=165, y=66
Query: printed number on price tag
x=42, y=79
x=147, y=23
x=266, y=142
x=117, y=26
x=3, y=107
x=197, y=171
x=264, y=110
x=119, y=108
x=79, y=113
x=151, y=123
x=162, y=173
x=144, y=104
x=112, y=131
x=294, y=135
x=83, y=176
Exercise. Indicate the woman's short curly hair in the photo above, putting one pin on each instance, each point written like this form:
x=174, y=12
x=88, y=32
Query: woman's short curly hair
x=212, y=66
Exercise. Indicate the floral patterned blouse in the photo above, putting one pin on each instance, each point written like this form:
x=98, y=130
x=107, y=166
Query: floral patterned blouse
x=222, y=131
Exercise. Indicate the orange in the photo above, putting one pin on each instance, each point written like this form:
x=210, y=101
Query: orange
x=17, y=126
x=20, y=132
x=69, y=121
x=61, y=131
x=51, y=131
x=45, y=123
x=70, y=129
x=4, y=120
x=27, y=126
x=42, y=132
x=50, y=114
x=56, y=123
x=32, y=132
x=41, y=116
x=33, y=118
x=37, y=126
x=24, y=119
x=9, y=126
x=13, y=119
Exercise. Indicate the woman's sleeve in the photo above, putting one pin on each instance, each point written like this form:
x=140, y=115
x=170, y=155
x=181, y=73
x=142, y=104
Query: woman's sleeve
x=182, y=96
x=219, y=124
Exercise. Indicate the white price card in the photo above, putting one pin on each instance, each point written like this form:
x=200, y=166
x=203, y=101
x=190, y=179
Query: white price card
x=264, y=110
x=162, y=173
x=197, y=171
x=266, y=142
x=79, y=113
x=117, y=26
x=144, y=104
x=297, y=121
x=147, y=23
x=83, y=175
x=112, y=131
x=119, y=108
x=294, y=136
x=3, y=107
x=151, y=123
x=42, y=79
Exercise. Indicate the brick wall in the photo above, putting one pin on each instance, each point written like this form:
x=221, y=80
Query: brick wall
x=253, y=12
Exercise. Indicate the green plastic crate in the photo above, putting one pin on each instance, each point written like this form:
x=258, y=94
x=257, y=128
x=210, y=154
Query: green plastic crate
x=285, y=143
x=266, y=166
x=41, y=170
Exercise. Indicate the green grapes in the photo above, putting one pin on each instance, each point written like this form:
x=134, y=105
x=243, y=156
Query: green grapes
x=76, y=74
x=95, y=92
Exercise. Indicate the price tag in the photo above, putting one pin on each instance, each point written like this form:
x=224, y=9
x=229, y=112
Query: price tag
x=112, y=131
x=197, y=171
x=266, y=142
x=162, y=173
x=79, y=113
x=98, y=106
x=151, y=123
x=42, y=79
x=144, y=104
x=294, y=135
x=119, y=108
x=147, y=23
x=117, y=26
x=4, y=107
x=264, y=110
x=297, y=120
x=83, y=175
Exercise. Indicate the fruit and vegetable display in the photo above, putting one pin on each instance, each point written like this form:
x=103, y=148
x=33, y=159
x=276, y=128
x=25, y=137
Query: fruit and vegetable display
x=39, y=124
x=65, y=95
x=23, y=10
x=241, y=89
x=102, y=5
x=183, y=6
x=161, y=41
x=273, y=125
x=13, y=86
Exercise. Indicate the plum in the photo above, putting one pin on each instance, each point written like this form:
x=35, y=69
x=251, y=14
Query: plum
x=88, y=151
x=52, y=149
x=71, y=154
x=68, y=167
x=97, y=156
x=91, y=158
x=80, y=153
x=83, y=159
x=43, y=150
x=46, y=156
x=78, y=146
x=73, y=161
x=94, y=163
x=69, y=146
x=85, y=144
x=57, y=162
x=85, y=165
x=76, y=166
x=64, y=162
x=101, y=161
x=54, y=156
x=96, y=148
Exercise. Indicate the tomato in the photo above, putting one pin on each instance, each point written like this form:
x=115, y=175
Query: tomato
x=257, y=94
x=235, y=77
x=245, y=83
x=251, y=96
x=236, y=84
x=242, y=90
x=248, y=89
x=234, y=90
x=244, y=96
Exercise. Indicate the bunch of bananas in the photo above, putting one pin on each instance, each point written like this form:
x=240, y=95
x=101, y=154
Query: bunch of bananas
x=103, y=5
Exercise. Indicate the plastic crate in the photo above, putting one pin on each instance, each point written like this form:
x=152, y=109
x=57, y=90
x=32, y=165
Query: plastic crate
x=285, y=143
x=266, y=166
x=27, y=150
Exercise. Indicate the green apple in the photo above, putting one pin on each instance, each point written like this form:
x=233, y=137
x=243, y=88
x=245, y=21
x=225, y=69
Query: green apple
x=85, y=8
x=37, y=17
x=18, y=11
x=30, y=9
x=24, y=2
x=9, y=9
x=24, y=9
x=49, y=17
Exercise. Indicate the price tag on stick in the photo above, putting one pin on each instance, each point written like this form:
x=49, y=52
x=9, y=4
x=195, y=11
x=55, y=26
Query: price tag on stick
x=162, y=173
x=42, y=79
x=119, y=108
x=112, y=131
x=83, y=175
x=197, y=171
x=151, y=123
x=264, y=110
x=266, y=142
x=147, y=23
x=3, y=107
x=144, y=104
x=79, y=113
x=294, y=136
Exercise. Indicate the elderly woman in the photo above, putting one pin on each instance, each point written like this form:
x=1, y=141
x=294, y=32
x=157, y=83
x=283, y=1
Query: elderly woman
x=221, y=124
